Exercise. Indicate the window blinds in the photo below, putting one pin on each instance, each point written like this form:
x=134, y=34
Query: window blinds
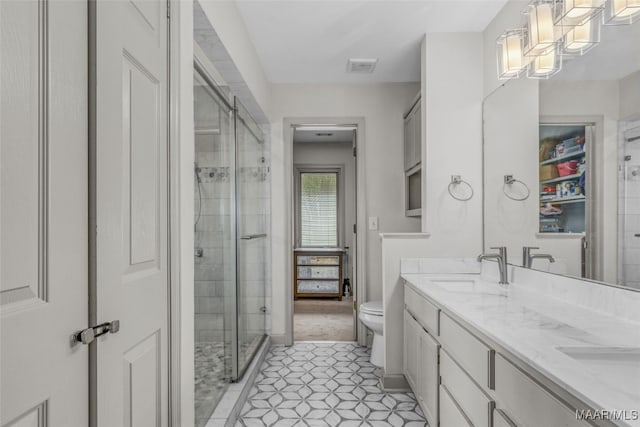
x=319, y=209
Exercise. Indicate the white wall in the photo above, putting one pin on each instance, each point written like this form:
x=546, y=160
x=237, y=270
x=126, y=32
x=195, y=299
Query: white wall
x=182, y=69
x=452, y=140
x=629, y=99
x=382, y=107
x=334, y=154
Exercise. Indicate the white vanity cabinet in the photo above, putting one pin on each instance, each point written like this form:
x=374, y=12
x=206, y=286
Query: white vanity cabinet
x=460, y=379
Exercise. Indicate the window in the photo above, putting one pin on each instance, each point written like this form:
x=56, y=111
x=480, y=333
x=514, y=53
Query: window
x=318, y=208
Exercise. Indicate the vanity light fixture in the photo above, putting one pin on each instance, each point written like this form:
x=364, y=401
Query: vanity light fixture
x=621, y=12
x=511, y=61
x=557, y=28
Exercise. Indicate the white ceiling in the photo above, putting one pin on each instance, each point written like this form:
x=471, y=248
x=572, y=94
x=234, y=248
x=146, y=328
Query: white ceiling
x=310, y=41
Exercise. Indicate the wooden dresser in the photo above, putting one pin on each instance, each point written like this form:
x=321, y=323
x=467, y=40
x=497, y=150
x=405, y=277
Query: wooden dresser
x=317, y=273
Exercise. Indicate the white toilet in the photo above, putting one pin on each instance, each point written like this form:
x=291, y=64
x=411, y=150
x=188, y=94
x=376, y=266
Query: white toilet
x=372, y=316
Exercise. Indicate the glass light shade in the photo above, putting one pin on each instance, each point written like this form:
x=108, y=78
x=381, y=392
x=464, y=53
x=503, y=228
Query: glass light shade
x=540, y=31
x=581, y=38
x=509, y=54
x=620, y=12
x=576, y=12
x=545, y=65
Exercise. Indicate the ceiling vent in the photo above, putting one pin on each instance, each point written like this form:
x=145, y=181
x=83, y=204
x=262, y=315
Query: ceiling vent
x=361, y=65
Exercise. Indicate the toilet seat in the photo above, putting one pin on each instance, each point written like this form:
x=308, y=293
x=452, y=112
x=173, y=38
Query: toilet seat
x=372, y=307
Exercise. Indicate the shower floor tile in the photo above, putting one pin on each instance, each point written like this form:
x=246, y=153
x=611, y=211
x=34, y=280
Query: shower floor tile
x=209, y=379
x=324, y=384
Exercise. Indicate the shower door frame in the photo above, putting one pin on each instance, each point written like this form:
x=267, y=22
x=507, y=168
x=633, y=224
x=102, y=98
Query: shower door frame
x=208, y=75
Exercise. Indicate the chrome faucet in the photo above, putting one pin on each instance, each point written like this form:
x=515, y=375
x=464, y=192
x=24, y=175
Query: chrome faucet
x=501, y=258
x=527, y=258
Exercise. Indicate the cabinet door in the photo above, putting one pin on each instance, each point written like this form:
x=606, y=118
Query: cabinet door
x=411, y=351
x=409, y=128
x=417, y=135
x=427, y=384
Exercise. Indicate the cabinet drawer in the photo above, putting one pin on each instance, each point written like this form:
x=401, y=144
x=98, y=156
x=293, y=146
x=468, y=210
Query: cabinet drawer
x=500, y=419
x=317, y=260
x=475, y=404
x=526, y=402
x=425, y=313
x=475, y=357
x=318, y=286
x=318, y=272
x=450, y=414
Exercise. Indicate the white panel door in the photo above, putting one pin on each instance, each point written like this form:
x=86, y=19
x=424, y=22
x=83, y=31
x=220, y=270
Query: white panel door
x=131, y=213
x=43, y=213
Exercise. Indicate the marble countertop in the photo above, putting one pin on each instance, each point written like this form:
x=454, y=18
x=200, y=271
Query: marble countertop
x=604, y=371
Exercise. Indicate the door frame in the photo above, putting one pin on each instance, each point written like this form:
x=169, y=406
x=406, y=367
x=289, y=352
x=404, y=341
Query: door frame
x=593, y=253
x=181, y=156
x=361, y=232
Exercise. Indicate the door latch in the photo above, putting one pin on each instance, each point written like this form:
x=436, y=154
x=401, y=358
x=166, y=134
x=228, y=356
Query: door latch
x=86, y=336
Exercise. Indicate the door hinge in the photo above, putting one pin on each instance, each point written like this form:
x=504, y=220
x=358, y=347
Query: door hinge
x=355, y=306
x=168, y=9
x=355, y=228
x=86, y=336
x=355, y=151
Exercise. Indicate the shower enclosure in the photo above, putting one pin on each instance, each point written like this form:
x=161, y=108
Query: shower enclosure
x=230, y=207
x=629, y=206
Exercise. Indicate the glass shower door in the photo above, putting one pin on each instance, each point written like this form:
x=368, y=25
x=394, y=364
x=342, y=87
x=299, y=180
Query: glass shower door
x=251, y=193
x=215, y=250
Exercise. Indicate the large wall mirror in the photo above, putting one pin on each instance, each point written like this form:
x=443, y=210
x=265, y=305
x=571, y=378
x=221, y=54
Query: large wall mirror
x=562, y=164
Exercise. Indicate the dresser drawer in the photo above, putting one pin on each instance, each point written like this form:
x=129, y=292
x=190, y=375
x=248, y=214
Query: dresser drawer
x=450, y=414
x=475, y=357
x=425, y=313
x=318, y=260
x=526, y=402
x=321, y=272
x=318, y=286
x=476, y=405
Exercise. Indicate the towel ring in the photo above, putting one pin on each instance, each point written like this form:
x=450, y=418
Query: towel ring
x=509, y=180
x=455, y=180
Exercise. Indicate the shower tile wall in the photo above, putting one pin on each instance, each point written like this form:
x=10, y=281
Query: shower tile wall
x=629, y=213
x=212, y=234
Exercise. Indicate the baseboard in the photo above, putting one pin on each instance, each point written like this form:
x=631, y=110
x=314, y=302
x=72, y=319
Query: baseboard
x=278, y=340
x=394, y=383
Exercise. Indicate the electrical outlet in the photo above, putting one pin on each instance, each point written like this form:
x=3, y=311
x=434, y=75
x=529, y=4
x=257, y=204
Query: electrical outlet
x=373, y=223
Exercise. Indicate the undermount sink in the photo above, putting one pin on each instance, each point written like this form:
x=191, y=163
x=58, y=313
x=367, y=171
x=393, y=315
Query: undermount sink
x=618, y=365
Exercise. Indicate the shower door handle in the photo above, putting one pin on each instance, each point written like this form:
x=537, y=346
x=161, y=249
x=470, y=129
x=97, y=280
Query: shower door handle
x=252, y=236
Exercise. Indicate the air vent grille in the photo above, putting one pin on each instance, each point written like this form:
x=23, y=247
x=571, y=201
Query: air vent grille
x=361, y=65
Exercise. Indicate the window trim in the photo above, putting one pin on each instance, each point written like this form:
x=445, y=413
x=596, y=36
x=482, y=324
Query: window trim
x=338, y=169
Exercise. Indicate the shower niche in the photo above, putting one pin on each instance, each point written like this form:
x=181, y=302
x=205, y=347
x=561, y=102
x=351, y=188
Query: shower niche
x=231, y=197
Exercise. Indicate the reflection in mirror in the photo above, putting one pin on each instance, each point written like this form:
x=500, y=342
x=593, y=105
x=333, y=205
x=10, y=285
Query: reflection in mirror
x=574, y=140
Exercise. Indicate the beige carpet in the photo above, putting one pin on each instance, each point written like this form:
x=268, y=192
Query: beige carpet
x=323, y=320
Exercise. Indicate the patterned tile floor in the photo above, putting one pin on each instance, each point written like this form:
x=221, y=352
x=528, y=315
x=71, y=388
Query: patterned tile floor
x=324, y=384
